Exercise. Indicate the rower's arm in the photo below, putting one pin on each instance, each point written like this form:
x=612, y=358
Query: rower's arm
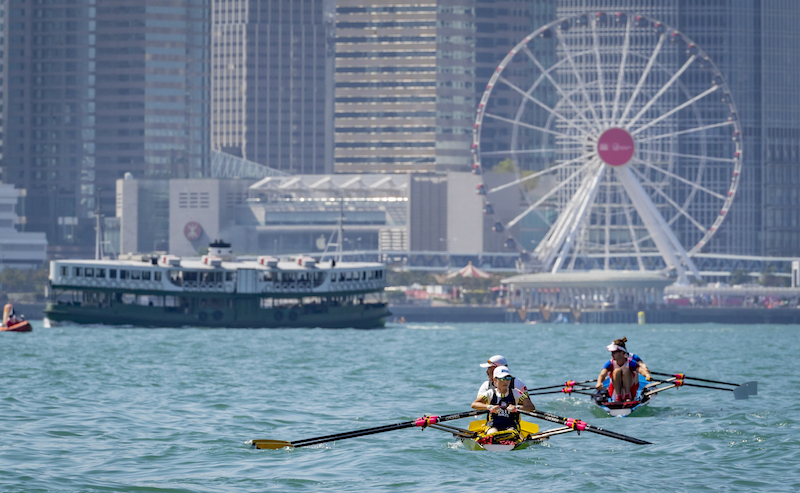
x=527, y=405
x=642, y=368
x=601, y=378
x=481, y=404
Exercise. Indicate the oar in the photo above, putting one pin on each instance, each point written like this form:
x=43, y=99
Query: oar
x=565, y=390
x=549, y=433
x=422, y=422
x=682, y=376
x=570, y=383
x=459, y=432
x=579, y=425
x=741, y=391
x=653, y=388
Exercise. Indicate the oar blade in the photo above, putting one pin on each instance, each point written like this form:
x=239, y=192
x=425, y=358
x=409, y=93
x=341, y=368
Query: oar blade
x=268, y=444
x=745, y=390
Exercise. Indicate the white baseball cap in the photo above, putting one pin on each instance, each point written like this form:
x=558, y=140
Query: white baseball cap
x=496, y=360
x=613, y=347
x=501, y=371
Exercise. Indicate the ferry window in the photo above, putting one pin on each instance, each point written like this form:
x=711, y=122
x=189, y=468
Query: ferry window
x=175, y=277
x=146, y=275
x=64, y=271
x=89, y=272
x=135, y=274
x=123, y=274
x=333, y=277
x=229, y=276
x=112, y=273
x=128, y=298
x=99, y=273
x=77, y=272
x=341, y=276
x=190, y=276
x=157, y=276
x=364, y=276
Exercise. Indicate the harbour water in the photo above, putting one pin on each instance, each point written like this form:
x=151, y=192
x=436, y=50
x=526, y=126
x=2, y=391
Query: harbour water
x=101, y=409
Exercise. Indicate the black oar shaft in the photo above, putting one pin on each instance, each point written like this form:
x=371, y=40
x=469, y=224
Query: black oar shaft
x=380, y=429
x=680, y=383
x=682, y=376
x=706, y=386
x=582, y=391
x=594, y=429
x=353, y=434
x=565, y=384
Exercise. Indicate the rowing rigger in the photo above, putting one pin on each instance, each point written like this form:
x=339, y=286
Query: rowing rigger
x=528, y=434
x=646, y=392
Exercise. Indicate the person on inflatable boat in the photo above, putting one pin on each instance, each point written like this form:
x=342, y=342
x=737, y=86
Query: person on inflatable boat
x=502, y=401
x=624, y=369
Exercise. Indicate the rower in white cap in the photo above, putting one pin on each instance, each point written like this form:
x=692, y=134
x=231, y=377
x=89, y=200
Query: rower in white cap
x=491, y=364
x=503, y=400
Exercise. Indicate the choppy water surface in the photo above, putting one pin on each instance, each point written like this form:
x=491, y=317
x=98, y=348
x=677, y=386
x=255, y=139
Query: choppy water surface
x=166, y=410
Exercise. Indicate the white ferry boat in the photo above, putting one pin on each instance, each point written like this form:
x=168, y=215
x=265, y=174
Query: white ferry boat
x=218, y=291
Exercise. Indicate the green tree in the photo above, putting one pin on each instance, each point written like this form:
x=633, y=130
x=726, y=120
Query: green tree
x=769, y=279
x=408, y=277
x=504, y=166
x=738, y=276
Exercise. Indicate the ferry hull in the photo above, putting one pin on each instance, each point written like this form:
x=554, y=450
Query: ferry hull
x=364, y=316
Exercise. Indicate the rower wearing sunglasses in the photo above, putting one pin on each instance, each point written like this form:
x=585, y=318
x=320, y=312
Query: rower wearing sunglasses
x=623, y=369
x=502, y=400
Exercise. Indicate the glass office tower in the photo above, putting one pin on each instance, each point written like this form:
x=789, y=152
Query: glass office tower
x=408, y=78
x=101, y=88
x=273, y=82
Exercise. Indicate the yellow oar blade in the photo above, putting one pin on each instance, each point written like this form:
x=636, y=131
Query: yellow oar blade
x=528, y=428
x=477, y=426
x=269, y=444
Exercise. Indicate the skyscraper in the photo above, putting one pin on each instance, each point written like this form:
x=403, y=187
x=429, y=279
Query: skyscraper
x=100, y=88
x=272, y=82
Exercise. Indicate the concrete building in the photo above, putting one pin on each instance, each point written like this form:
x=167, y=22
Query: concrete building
x=280, y=215
x=99, y=89
x=272, y=82
x=18, y=250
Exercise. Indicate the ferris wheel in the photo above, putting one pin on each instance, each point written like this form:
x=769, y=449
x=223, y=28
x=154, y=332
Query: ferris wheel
x=610, y=141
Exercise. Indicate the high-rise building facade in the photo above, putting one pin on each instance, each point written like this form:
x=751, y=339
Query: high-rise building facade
x=409, y=76
x=777, y=58
x=101, y=88
x=405, y=76
x=273, y=82
x=3, y=80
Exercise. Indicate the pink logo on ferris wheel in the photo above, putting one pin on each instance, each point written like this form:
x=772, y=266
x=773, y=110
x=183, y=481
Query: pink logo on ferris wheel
x=615, y=146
